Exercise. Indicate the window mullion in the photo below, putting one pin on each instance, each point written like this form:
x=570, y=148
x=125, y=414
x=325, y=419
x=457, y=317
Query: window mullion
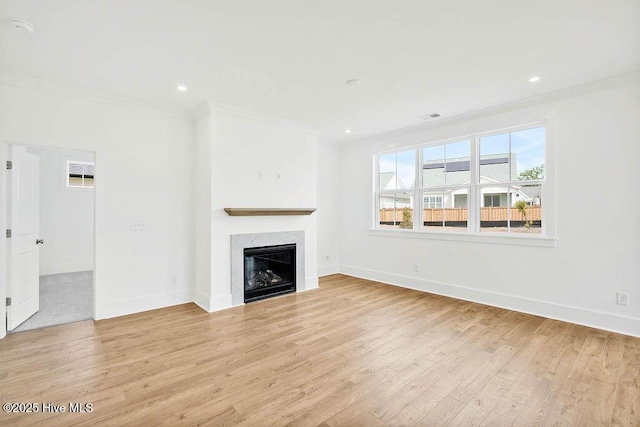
x=473, y=206
x=443, y=212
x=509, y=187
x=509, y=205
x=417, y=193
x=376, y=202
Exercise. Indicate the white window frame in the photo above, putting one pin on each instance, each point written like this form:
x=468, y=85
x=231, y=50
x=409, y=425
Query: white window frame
x=511, y=182
x=379, y=192
x=443, y=188
x=546, y=238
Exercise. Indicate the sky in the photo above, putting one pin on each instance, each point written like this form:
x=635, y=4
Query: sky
x=528, y=145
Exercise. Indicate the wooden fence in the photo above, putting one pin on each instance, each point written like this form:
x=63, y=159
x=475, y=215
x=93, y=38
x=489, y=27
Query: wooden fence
x=534, y=213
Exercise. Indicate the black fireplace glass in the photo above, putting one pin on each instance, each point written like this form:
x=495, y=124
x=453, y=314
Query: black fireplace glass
x=269, y=271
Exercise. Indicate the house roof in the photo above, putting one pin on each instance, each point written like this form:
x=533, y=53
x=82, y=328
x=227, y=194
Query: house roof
x=493, y=168
x=385, y=179
x=463, y=165
x=388, y=181
x=530, y=191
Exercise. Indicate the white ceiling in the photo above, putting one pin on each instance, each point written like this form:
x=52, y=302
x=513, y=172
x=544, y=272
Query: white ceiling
x=291, y=58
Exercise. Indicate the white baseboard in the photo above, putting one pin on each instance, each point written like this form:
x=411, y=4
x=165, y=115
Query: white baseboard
x=310, y=283
x=202, y=300
x=580, y=316
x=328, y=269
x=146, y=303
x=220, y=302
x=65, y=268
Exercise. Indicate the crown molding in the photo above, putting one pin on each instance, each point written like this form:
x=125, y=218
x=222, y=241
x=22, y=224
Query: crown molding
x=570, y=92
x=218, y=108
x=200, y=111
x=71, y=92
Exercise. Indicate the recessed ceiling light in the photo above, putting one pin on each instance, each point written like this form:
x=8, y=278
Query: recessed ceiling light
x=347, y=131
x=534, y=79
x=20, y=25
x=182, y=88
x=353, y=82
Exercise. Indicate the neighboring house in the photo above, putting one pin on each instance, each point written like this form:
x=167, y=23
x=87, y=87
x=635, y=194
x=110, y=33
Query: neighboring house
x=493, y=169
x=400, y=199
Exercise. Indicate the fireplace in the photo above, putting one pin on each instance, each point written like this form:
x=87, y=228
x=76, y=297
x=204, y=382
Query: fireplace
x=269, y=271
x=240, y=242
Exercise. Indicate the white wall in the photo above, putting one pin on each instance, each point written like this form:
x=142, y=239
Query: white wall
x=596, y=133
x=243, y=144
x=203, y=168
x=144, y=161
x=66, y=214
x=329, y=212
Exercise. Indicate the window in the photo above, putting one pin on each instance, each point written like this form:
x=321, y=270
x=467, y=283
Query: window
x=484, y=183
x=396, y=176
x=446, y=176
x=511, y=176
x=79, y=174
x=493, y=200
x=431, y=202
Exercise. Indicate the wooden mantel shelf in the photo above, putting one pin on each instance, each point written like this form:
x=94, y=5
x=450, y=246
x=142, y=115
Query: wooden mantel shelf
x=267, y=211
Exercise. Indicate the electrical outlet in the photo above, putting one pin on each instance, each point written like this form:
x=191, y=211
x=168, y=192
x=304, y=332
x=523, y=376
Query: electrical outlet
x=622, y=298
x=278, y=176
x=416, y=268
x=326, y=258
x=137, y=225
x=174, y=280
x=261, y=175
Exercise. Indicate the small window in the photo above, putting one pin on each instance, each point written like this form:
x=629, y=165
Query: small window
x=493, y=200
x=80, y=174
x=432, y=202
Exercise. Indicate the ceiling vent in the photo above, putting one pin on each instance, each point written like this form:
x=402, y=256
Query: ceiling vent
x=21, y=25
x=430, y=116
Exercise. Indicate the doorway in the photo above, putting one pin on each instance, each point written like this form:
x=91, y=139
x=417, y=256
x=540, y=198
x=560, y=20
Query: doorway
x=65, y=238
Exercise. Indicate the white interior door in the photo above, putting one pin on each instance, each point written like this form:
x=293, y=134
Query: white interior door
x=24, y=263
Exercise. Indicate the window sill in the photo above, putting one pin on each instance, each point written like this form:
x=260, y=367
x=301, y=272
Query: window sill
x=501, y=239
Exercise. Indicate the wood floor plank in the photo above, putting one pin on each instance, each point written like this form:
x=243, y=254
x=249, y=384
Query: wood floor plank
x=628, y=390
x=477, y=409
x=623, y=418
x=537, y=408
x=504, y=413
x=567, y=408
x=353, y=352
x=598, y=408
x=407, y=416
x=442, y=414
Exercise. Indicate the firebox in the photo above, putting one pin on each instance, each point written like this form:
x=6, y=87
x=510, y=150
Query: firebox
x=269, y=271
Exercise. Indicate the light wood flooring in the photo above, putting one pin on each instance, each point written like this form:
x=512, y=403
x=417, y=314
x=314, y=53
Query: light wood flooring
x=353, y=352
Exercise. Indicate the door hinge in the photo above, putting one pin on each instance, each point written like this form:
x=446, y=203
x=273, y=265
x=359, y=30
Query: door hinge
x=8, y=302
x=8, y=233
x=9, y=164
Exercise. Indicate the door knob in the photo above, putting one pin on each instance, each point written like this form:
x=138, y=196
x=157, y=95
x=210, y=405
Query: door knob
x=39, y=242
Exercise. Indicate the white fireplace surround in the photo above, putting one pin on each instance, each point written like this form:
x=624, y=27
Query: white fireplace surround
x=239, y=242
